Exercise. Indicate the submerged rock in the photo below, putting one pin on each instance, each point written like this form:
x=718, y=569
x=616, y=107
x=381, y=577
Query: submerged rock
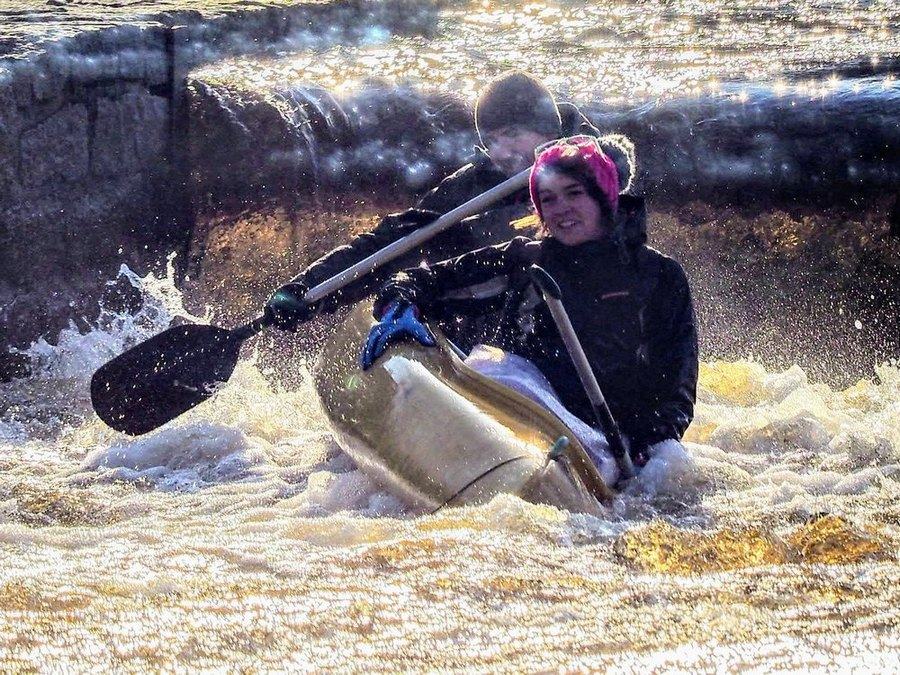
x=831, y=540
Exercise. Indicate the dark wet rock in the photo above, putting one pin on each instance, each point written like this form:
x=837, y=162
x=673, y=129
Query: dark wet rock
x=14, y=366
x=94, y=165
x=56, y=150
x=895, y=218
x=121, y=297
x=129, y=133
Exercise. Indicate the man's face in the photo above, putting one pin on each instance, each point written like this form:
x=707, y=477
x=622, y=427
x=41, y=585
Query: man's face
x=511, y=148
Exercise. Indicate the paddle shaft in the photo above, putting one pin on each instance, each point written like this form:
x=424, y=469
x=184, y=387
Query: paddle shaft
x=395, y=249
x=553, y=298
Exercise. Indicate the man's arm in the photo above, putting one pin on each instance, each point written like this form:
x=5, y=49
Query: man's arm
x=480, y=274
x=389, y=229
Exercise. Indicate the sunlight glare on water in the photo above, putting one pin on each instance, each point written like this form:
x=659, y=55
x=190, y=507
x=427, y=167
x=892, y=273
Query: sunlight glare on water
x=616, y=52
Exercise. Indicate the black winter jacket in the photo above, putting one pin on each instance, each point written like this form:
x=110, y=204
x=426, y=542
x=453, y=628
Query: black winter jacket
x=490, y=228
x=635, y=320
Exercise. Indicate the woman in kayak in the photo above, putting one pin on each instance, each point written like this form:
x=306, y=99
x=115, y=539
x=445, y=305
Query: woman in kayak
x=629, y=304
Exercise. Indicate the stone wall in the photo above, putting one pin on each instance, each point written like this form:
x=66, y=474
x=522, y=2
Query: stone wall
x=93, y=146
x=86, y=153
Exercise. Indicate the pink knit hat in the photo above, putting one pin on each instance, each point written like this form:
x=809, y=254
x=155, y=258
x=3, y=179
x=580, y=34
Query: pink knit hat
x=587, y=149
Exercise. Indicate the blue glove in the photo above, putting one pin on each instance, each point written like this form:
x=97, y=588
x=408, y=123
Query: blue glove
x=286, y=308
x=400, y=320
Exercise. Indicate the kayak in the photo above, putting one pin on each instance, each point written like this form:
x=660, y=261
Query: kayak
x=426, y=427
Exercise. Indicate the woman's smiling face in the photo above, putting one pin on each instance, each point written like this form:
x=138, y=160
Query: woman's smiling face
x=570, y=214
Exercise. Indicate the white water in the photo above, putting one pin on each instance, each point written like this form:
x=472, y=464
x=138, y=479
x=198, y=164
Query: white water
x=239, y=536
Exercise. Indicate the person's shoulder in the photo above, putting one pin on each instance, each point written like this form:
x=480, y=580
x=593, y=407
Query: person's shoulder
x=460, y=186
x=464, y=170
x=659, y=257
x=574, y=121
x=478, y=172
x=669, y=268
x=479, y=161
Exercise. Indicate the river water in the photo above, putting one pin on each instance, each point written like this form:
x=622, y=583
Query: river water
x=28, y=26
x=241, y=537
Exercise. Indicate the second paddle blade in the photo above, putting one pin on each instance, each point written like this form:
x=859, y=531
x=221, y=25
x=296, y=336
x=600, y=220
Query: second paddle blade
x=167, y=375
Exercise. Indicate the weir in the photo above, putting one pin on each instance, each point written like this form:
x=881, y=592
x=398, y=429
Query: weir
x=94, y=169
x=116, y=142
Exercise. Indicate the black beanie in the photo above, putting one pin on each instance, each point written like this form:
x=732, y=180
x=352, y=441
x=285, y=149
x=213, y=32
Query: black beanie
x=517, y=98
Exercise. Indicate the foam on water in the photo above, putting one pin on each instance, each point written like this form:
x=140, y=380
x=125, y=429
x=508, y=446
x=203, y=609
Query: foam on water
x=241, y=534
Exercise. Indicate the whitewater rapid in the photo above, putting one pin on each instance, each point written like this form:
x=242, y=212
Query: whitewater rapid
x=240, y=536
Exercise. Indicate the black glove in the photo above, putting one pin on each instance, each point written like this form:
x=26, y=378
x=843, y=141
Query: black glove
x=637, y=449
x=286, y=308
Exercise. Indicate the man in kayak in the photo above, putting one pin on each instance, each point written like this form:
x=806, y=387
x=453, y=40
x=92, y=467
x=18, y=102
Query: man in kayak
x=630, y=305
x=514, y=114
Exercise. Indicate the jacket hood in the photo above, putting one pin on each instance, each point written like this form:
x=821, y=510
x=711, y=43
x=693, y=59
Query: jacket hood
x=632, y=220
x=574, y=121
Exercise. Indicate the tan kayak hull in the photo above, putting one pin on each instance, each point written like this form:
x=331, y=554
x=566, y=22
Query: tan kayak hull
x=436, y=433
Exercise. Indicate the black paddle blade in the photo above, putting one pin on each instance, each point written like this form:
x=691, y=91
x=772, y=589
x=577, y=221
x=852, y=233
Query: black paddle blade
x=161, y=378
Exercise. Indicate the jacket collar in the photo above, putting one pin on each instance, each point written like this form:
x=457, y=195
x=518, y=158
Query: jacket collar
x=595, y=248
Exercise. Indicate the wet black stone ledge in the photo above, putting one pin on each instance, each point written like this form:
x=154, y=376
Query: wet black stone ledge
x=94, y=166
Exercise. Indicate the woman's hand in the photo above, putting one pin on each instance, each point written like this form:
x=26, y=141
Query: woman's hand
x=400, y=320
